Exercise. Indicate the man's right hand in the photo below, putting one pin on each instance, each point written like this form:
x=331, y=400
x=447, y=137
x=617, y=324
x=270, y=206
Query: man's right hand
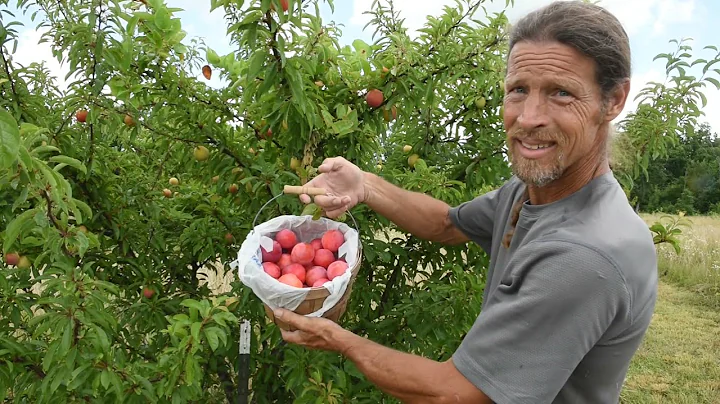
x=344, y=183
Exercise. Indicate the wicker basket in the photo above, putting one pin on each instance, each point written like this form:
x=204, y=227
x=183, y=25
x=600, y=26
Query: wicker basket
x=316, y=297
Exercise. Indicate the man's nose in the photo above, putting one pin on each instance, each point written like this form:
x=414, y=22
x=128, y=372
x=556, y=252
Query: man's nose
x=534, y=113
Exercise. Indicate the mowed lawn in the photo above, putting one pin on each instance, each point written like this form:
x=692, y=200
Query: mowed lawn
x=679, y=361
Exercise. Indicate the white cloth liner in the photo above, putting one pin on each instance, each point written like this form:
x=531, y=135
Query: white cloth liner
x=270, y=290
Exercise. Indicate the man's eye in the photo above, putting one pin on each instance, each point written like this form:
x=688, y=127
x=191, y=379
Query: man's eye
x=563, y=93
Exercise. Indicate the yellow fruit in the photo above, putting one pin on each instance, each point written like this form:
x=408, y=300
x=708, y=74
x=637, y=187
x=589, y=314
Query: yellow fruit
x=201, y=153
x=407, y=148
x=412, y=160
x=23, y=263
x=294, y=163
x=167, y=193
x=480, y=102
x=215, y=178
x=174, y=181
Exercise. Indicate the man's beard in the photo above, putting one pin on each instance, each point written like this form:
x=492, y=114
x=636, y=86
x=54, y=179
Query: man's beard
x=538, y=172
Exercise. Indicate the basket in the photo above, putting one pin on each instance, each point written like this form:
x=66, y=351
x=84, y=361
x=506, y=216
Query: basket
x=317, y=295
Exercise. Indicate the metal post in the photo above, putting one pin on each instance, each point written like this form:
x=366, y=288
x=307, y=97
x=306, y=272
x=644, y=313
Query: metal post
x=244, y=363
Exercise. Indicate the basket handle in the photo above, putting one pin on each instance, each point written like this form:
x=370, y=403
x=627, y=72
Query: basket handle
x=299, y=190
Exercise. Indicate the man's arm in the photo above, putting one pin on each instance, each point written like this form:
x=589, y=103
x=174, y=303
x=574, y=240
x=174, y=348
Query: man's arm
x=417, y=213
x=409, y=378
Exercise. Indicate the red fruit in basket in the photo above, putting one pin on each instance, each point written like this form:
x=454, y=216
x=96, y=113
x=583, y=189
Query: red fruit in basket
x=315, y=273
x=292, y=280
x=332, y=240
x=320, y=282
x=272, y=269
x=295, y=269
x=323, y=257
x=336, y=269
x=287, y=238
x=316, y=243
x=274, y=255
x=302, y=253
x=284, y=261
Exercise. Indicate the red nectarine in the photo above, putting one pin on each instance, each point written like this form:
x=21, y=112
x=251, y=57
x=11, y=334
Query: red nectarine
x=315, y=273
x=374, y=98
x=323, y=257
x=272, y=269
x=302, y=253
x=336, y=269
x=274, y=255
x=320, y=282
x=284, y=261
x=292, y=280
x=316, y=243
x=332, y=240
x=295, y=269
x=287, y=238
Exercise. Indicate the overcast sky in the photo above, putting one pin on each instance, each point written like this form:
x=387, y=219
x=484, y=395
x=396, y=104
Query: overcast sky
x=650, y=24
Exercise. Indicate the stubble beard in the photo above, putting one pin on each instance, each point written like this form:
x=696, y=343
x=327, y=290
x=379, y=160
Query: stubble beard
x=542, y=172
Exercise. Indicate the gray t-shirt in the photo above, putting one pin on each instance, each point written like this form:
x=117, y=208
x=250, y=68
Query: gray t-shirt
x=567, y=305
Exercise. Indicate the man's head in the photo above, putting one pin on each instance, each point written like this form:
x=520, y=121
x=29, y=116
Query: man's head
x=567, y=79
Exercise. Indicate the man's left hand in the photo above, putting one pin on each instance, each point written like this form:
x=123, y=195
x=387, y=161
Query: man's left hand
x=312, y=332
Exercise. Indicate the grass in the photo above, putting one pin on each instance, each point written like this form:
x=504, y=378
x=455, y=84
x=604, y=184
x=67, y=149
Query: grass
x=697, y=267
x=679, y=360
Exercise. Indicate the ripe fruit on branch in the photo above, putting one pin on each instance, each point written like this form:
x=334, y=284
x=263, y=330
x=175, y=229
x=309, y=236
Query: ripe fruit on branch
x=215, y=179
x=386, y=114
x=174, y=181
x=294, y=163
x=12, y=258
x=148, y=293
x=374, y=98
x=407, y=148
x=285, y=4
x=167, y=193
x=233, y=188
x=81, y=115
x=229, y=238
x=201, y=153
x=129, y=121
x=207, y=72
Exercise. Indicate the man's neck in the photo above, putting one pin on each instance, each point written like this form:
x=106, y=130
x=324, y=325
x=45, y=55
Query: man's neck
x=572, y=180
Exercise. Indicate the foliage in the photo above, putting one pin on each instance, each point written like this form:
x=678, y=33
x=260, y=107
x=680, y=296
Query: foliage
x=668, y=233
x=686, y=180
x=108, y=304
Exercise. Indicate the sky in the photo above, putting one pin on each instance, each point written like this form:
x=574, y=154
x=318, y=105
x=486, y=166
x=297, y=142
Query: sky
x=651, y=24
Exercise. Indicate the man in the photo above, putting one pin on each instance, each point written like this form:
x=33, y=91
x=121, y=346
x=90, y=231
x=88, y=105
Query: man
x=572, y=280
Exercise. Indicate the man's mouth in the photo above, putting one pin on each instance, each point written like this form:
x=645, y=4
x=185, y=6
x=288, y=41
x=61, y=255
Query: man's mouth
x=534, y=149
x=535, y=146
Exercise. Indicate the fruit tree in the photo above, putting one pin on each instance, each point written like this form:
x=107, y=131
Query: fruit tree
x=124, y=193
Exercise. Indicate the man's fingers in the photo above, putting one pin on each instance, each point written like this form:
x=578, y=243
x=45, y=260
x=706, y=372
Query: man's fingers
x=328, y=202
x=294, y=319
x=305, y=198
x=330, y=164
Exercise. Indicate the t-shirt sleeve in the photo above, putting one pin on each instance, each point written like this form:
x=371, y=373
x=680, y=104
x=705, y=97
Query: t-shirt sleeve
x=476, y=217
x=556, y=302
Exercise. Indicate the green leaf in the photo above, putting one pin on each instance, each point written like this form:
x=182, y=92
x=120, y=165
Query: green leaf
x=212, y=337
x=195, y=331
x=21, y=223
x=75, y=163
x=9, y=139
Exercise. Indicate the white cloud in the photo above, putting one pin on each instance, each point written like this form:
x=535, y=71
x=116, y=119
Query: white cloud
x=29, y=50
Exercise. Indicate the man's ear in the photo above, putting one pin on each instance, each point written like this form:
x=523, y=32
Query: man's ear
x=616, y=102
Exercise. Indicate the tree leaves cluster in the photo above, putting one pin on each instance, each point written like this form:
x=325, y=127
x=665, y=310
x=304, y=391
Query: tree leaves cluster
x=115, y=300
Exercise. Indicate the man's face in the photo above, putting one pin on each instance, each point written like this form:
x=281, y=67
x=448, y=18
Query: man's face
x=553, y=110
